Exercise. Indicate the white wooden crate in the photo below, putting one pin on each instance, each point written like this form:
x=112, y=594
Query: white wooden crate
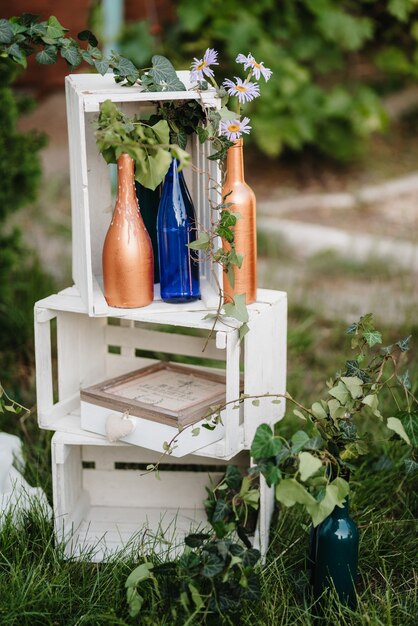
x=92, y=349
x=104, y=503
x=91, y=197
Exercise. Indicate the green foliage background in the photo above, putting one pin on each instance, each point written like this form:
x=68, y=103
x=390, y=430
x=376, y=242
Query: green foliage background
x=332, y=60
x=21, y=278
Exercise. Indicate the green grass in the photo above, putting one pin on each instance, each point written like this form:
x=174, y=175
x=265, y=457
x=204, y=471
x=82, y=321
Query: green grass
x=37, y=586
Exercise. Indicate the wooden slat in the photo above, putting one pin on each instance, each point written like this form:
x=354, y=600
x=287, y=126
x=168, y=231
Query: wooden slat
x=152, y=340
x=44, y=386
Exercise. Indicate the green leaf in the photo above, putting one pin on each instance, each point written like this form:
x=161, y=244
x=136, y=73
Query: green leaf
x=201, y=243
x=354, y=386
x=308, y=465
x=403, y=344
x=139, y=574
x=87, y=35
x=47, y=56
x=195, y=540
x=101, y=65
x=372, y=337
x=319, y=411
x=54, y=29
x=134, y=600
x=181, y=155
x=410, y=423
x=164, y=75
x=396, y=425
x=237, y=310
x=299, y=414
x=196, y=597
x=213, y=565
x=340, y=392
x=335, y=494
x=256, y=402
x=372, y=401
x=265, y=444
x=221, y=512
x=6, y=32
x=289, y=492
x=233, y=477
x=411, y=466
x=298, y=441
x=243, y=330
x=151, y=170
x=71, y=55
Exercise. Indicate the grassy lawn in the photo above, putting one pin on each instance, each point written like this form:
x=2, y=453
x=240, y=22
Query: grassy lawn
x=38, y=587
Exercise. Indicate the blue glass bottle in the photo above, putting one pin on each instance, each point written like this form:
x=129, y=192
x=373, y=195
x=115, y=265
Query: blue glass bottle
x=176, y=227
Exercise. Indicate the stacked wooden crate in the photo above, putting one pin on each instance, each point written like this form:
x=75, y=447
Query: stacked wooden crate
x=103, y=499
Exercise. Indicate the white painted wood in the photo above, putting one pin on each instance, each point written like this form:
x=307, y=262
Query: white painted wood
x=84, y=359
x=150, y=434
x=231, y=414
x=103, y=510
x=43, y=358
x=91, y=197
x=265, y=368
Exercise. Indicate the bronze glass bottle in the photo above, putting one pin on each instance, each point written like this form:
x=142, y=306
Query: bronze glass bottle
x=243, y=202
x=128, y=263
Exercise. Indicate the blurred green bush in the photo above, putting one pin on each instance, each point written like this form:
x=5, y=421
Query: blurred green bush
x=21, y=278
x=332, y=61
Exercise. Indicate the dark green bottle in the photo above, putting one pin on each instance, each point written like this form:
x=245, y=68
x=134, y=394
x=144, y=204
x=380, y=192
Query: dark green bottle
x=148, y=201
x=336, y=555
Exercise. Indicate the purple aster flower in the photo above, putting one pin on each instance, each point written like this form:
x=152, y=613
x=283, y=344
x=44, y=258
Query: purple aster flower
x=244, y=91
x=201, y=67
x=233, y=129
x=257, y=68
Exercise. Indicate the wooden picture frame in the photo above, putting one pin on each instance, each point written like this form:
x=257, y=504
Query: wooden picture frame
x=164, y=392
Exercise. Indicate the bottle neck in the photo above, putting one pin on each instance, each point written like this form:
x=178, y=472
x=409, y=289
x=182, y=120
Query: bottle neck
x=341, y=511
x=235, y=163
x=126, y=179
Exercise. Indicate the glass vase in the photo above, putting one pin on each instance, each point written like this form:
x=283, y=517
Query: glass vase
x=176, y=228
x=128, y=262
x=336, y=555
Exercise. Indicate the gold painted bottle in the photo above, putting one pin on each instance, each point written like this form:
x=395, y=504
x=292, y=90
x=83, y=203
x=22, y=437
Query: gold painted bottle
x=243, y=202
x=128, y=262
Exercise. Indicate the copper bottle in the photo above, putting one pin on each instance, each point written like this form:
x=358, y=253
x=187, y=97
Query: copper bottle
x=245, y=237
x=128, y=262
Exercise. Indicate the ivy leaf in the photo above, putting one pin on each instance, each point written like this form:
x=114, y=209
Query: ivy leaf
x=6, y=32
x=372, y=337
x=47, y=56
x=319, y=411
x=71, y=55
x=298, y=441
x=354, y=385
x=17, y=54
x=153, y=168
x=335, y=494
x=201, y=243
x=308, y=465
x=314, y=443
x=195, y=540
x=134, y=600
x=87, y=35
x=237, y=310
x=410, y=423
x=353, y=369
x=243, y=330
x=411, y=466
x=403, y=344
x=213, y=565
x=372, y=401
x=289, y=492
x=139, y=574
x=196, y=597
x=233, y=477
x=164, y=75
x=202, y=133
x=221, y=512
x=395, y=424
x=265, y=444
x=340, y=392
x=101, y=65
x=54, y=29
